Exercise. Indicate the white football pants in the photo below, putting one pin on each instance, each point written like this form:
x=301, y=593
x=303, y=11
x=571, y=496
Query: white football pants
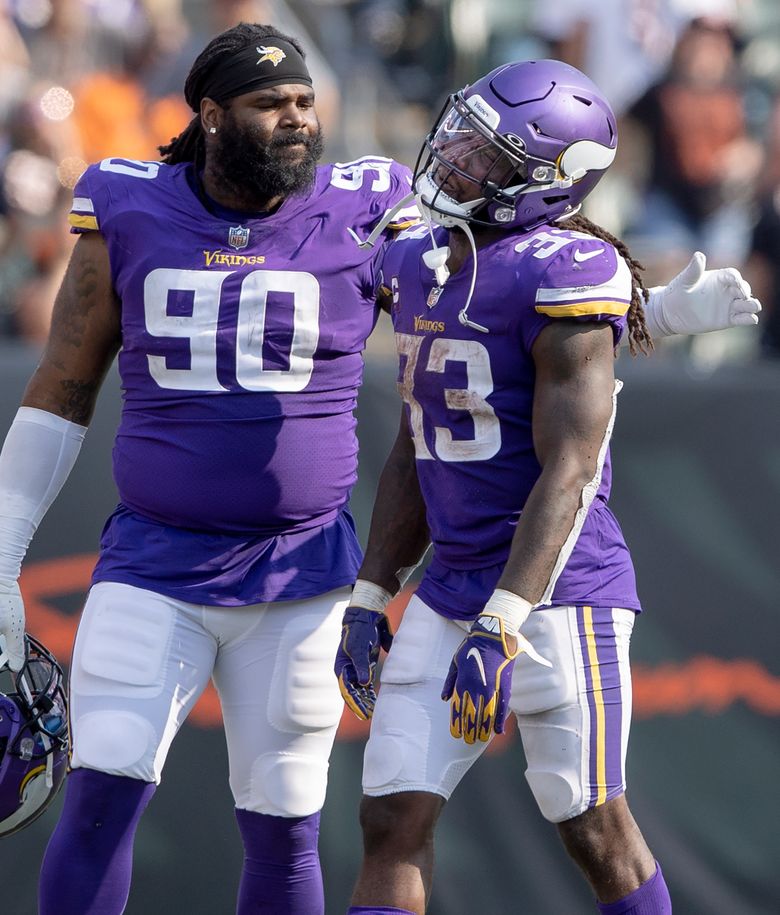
x=574, y=718
x=141, y=660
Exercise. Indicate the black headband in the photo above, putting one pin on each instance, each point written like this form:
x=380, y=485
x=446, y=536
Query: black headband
x=263, y=63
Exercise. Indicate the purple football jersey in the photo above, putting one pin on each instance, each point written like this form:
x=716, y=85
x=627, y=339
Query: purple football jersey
x=242, y=342
x=469, y=398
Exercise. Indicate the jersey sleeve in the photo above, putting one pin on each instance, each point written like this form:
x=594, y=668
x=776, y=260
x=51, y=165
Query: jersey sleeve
x=380, y=184
x=377, y=206
x=400, y=188
x=83, y=215
x=586, y=280
x=109, y=189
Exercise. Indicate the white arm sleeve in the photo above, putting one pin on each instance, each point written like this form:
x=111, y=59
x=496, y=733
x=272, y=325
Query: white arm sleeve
x=37, y=457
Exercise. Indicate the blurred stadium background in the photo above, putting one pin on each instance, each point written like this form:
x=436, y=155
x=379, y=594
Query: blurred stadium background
x=696, y=84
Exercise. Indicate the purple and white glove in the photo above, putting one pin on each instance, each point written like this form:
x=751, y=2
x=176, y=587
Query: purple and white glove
x=364, y=631
x=479, y=681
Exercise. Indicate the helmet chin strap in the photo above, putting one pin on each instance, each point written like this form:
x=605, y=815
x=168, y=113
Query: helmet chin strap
x=463, y=314
x=436, y=258
x=47, y=746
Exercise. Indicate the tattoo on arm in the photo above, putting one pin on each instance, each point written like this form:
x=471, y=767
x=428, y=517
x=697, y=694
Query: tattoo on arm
x=84, y=338
x=78, y=400
x=72, y=321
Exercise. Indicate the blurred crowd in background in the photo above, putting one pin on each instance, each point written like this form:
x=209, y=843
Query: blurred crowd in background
x=695, y=85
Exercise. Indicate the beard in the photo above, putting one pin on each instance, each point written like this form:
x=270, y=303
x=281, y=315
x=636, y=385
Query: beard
x=257, y=170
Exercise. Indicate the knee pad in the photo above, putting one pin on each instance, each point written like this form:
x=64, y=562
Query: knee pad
x=410, y=748
x=286, y=785
x=554, y=752
x=558, y=797
x=115, y=742
x=388, y=748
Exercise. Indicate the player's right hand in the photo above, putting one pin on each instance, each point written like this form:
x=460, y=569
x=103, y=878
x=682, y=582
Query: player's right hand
x=479, y=681
x=363, y=633
x=12, y=650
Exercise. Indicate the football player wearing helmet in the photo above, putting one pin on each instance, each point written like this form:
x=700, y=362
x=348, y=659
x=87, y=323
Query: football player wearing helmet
x=508, y=308
x=34, y=739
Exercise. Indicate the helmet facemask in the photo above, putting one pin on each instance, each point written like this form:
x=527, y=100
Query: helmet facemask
x=34, y=737
x=465, y=164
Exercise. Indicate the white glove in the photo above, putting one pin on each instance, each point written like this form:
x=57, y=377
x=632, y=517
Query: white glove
x=697, y=301
x=11, y=626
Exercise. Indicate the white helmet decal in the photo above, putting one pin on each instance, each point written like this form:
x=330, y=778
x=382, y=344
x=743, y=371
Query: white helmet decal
x=584, y=156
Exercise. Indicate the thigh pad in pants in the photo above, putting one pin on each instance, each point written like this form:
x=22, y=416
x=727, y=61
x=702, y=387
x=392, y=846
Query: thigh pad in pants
x=128, y=695
x=410, y=747
x=281, y=704
x=574, y=718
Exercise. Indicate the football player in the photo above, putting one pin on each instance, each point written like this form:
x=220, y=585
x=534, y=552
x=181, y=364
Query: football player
x=508, y=308
x=226, y=279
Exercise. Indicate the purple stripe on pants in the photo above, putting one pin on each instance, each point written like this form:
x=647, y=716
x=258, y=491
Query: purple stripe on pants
x=604, y=695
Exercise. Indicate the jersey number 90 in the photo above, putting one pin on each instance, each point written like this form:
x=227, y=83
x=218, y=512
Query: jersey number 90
x=199, y=328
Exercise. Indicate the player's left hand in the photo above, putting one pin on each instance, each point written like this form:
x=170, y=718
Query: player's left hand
x=480, y=679
x=363, y=633
x=12, y=645
x=698, y=300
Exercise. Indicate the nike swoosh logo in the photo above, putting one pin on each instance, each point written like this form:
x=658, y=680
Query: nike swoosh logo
x=581, y=256
x=478, y=658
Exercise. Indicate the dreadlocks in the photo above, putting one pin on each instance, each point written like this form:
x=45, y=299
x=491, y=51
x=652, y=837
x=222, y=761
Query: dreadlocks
x=189, y=146
x=639, y=339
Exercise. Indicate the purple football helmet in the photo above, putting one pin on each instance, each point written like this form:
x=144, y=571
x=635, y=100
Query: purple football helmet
x=34, y=738
x=522, y=146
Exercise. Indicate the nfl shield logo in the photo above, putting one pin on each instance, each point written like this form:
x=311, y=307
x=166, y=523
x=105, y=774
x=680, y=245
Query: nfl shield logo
x=238, y=237
x=434, y=295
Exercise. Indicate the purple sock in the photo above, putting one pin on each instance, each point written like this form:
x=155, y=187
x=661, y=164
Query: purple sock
x=651, y=898
x=377, y=910
x=281, y=874
x=89, y=859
